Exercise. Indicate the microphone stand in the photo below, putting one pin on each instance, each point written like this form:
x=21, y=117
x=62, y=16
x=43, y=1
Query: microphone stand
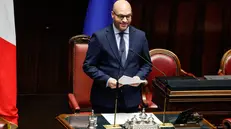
x=116, y=126
x=165, y=125
x=116, y=102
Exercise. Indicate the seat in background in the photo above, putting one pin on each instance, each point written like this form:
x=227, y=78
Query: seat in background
x=81, y=83
x=165, y=63
x=225, y=64
x=225, y=69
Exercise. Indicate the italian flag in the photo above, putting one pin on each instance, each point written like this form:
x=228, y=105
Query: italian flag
x=8, y=86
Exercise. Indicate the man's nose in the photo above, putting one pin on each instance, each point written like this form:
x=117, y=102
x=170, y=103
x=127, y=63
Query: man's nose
x=124, y=19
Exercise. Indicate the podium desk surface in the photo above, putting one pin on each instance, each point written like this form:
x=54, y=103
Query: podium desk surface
x=75, y=121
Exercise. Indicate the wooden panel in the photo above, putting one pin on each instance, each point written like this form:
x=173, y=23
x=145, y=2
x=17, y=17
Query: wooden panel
x=160, y=25
x=212, y=37
x=197, y=31
x=137, y=13
x=184, y=32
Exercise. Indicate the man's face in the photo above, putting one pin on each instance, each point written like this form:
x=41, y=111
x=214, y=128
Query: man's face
x=122, y=18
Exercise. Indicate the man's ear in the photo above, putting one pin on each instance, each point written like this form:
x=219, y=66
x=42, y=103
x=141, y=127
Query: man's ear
x=112, y=14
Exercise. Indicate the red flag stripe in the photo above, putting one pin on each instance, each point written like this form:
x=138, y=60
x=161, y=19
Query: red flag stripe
x=8, y=88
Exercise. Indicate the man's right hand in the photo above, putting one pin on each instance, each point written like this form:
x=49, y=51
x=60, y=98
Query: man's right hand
x=112, y=82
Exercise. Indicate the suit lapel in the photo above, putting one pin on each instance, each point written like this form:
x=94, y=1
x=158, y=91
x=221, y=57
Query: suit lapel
x=131, y=45
x=112, y=42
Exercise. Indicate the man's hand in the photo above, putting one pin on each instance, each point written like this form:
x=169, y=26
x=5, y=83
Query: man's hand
x=112, y=82
x=136, y=84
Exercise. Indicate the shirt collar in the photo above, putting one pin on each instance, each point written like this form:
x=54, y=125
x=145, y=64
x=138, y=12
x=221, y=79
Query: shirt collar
x=116, y=31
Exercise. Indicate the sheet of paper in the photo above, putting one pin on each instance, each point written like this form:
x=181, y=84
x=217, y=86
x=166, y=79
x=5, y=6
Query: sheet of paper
x=121, y=118
x=126, y=80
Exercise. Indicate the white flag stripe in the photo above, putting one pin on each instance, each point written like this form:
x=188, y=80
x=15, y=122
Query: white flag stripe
x=7, y=26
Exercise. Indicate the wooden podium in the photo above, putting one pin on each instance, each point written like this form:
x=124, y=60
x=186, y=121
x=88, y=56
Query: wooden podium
x=212, y=98
x=80, y=121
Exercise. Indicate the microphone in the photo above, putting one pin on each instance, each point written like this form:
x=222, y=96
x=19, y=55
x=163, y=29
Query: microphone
x=148, y=62
x=165, y=98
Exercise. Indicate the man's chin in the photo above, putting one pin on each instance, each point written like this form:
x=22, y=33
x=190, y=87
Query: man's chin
x=123, y=27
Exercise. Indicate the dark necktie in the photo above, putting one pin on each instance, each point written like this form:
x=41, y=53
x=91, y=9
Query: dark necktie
x=122, y=49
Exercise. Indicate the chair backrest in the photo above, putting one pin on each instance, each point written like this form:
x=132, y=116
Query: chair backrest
x=78, y=79
x=225, y=64
x=166, y=61
x=167, y=64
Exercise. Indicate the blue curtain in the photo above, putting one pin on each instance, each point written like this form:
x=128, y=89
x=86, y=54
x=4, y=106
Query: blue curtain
x=98, y=15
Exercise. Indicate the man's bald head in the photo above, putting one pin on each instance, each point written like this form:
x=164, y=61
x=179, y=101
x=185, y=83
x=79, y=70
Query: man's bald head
x=121, y=5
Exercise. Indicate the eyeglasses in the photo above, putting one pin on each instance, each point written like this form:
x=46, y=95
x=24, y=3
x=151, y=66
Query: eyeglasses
x=121, y=17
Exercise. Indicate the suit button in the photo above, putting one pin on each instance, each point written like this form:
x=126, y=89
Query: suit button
x=121, y=91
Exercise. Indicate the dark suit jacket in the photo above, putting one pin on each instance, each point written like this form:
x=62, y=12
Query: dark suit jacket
x=103, y=61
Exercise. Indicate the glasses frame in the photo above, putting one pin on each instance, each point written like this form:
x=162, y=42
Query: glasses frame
x=121, y=17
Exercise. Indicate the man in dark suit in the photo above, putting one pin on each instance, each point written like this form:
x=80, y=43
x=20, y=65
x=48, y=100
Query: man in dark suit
x=112, y=53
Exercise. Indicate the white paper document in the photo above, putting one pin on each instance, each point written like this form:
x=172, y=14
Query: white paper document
x=121, y=118
x=126, y=80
